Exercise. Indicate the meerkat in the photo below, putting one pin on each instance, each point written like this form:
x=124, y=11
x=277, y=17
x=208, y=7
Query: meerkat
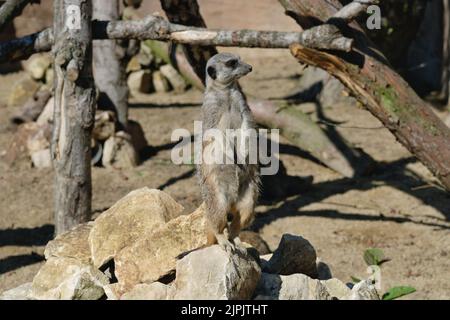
x=228, y=190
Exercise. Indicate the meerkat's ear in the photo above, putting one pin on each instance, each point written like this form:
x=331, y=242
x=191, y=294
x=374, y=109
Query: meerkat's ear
x=212, y=72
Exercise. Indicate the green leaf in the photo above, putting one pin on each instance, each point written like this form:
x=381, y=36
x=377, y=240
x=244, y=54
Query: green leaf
x=373, y=256
x=355, y=279
x=397, y=292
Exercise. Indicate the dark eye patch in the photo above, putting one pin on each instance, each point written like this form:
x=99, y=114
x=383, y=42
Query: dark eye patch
x=231, y=63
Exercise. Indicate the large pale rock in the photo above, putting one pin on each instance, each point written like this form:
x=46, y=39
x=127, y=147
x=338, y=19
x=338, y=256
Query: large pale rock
x=293, y=255
x=145, y=56
x=292, y=287
x=140, y=82
x=363, y=290
x=176, y=80
x=336, y=288
x=119, y=152
x=40, y=139
x=154, y=254
x=133, y=65
x=104, y=126
x=139, y=212
x=152, y=291
x=49, y=76
x=212, y=273
x=68, y=279
x=160, y=82
x=37, y=65
x=71, y=244
x=22, y=90
x=17, y=154
x=22, y=292
x=46, y=115
x=42, y=158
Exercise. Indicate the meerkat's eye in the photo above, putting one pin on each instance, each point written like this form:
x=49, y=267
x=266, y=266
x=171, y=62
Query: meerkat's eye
x=231, y=63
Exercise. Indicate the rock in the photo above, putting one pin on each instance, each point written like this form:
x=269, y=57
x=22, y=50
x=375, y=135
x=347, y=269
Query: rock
x=137, y=135
x=17, y=153
x=46, y=115
x=33, y=107
x=112, y=291
x=119, y=152
x=22, y=90
x=160, y=82
x=212, y=273
x=140, y=82
x=37, y=65
x=255, y=240
x=68, y=279
x=145, y=56
x=292, y=287
x=40, y=139
x=42, y=159
x=154, y=254
x=176, y=80
x=363, y=290
x=323, y=270
x=105, y=126
x=141, y=211
x=152, y=291
x=49, y=76
x=336, y=288
x=22, y=292
x=133, y=65
x=71, y=244
x=293, y=255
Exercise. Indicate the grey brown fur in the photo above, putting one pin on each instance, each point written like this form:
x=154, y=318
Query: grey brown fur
x=227, y=189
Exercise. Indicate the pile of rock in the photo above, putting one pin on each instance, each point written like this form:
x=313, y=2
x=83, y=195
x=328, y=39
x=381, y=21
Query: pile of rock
x=145, y=247
x=149, y=73
x=30, y=145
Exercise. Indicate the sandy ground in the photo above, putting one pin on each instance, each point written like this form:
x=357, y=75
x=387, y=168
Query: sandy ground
x=394, y=208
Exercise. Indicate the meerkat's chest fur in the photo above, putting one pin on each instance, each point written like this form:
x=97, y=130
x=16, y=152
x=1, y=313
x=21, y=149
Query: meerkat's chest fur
x=225, y=109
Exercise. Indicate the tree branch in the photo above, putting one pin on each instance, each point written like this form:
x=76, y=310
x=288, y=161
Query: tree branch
x=385, y=94
x=352, y=10
x=157, y=28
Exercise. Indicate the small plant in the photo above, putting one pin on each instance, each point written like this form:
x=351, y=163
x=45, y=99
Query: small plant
x=376, y=257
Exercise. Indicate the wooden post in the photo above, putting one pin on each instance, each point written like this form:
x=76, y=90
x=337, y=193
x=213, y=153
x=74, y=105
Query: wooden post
x=109, y=65
x=74, y=112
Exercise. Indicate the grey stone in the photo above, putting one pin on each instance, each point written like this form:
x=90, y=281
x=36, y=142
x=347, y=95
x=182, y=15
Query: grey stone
x=293, y=255
x=212, y=273
x=292, y=287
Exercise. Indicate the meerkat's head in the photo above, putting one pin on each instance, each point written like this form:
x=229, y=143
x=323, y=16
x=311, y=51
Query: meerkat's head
x=225, y=68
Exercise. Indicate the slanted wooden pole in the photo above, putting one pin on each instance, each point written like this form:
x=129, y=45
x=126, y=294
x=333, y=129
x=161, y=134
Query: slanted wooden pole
x=384, y=93
x=74, y=112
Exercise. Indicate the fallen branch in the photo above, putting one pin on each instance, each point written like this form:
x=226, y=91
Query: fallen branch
x=385, y=94
x=157, y=28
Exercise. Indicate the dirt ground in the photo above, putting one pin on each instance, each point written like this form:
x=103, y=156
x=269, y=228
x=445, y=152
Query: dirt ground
x=394, y=208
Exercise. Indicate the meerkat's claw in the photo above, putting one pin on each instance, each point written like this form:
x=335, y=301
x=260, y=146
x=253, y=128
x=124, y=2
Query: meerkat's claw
x=225, y=244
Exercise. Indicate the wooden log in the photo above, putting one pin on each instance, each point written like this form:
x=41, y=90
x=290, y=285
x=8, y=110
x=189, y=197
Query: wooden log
x=74, y=113
x=384, y=93
x=157, y=28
